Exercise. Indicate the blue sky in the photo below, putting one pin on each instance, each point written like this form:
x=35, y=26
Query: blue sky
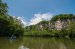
x=29, y=8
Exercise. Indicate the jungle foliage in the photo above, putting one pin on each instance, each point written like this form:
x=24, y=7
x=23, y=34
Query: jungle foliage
x=36, y=30
x=9, y=25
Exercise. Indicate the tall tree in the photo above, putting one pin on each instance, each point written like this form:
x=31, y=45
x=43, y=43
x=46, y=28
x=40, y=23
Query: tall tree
x=3, y=8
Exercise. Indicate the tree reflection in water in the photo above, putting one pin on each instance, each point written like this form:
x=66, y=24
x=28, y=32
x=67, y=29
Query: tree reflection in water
x=36, y=43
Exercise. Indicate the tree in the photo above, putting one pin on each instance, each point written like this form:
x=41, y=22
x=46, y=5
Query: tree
x=71, y=29
x=3, y=8
x=63, y=17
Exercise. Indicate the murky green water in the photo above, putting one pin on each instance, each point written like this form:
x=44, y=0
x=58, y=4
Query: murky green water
x=36, y=43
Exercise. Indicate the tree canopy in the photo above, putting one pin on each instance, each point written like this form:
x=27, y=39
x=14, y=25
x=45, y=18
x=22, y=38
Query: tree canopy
x=3, y=8
x=9, y=25
x=63, y=16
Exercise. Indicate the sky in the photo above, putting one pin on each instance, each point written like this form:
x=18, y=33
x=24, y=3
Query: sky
x=32, y=11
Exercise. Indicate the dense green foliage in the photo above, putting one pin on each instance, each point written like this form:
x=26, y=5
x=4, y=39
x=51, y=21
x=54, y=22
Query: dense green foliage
x=63, y=16
x=12, y=25
x=3, y=8
x=44, y=22
x=9, y=25
x=36, y=30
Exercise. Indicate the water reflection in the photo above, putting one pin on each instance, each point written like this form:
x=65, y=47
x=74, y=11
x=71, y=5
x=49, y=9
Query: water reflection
x=22, y=47
x=12, y=40
x=36, y=43
x=62, y=46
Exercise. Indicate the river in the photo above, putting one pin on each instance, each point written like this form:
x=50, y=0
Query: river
x=36, y=43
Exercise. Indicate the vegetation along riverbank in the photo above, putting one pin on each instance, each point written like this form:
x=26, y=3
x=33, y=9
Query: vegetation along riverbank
x=61, y=25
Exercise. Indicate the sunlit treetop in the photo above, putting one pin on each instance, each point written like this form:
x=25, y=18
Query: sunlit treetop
x=63, y=16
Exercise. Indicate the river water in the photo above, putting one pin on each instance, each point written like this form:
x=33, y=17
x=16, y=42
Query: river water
x=36, y=43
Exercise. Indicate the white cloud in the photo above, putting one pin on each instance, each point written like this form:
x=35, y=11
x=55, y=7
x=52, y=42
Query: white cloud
x=36, y=19
x=39, y=17
x=22, y=20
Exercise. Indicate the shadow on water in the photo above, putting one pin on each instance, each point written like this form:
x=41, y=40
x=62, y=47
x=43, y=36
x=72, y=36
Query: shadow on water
x=36, y=43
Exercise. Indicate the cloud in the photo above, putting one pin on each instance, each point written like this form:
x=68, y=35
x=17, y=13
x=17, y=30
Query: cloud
x=39, y=17
x=22, y=20
x=36, y=18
